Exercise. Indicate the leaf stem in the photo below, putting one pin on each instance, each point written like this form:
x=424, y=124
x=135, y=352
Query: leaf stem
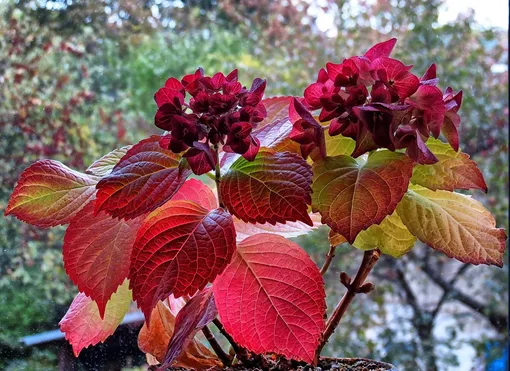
x=357, y=286
x=217, y=175
x=329, y=259
x=225, y=358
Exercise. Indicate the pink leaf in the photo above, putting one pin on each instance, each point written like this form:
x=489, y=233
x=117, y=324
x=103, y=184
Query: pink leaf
x=271, y=298
x=83, y=325
x=196, y=191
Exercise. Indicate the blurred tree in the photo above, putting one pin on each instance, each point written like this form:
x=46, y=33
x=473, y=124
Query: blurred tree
x=127, y=50
x=47, y=109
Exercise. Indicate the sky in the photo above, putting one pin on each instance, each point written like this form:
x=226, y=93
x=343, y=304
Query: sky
x=487, y=12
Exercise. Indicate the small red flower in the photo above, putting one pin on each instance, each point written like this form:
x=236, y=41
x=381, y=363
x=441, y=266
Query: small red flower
x=220, y=111
x=411, y=139
x=323, y=87
x=239, y=139
x=201, y=158
x=451, y=123
x=343, y=74
x=396, y=76
x=429, y=109
x=380, y=103
x=192, y=82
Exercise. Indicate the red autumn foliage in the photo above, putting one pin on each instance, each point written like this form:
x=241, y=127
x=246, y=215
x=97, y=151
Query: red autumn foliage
x=136, y=216
x=179, y=248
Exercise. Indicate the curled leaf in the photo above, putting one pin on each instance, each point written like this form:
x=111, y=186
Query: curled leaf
x=154, y=340
x=197, y=313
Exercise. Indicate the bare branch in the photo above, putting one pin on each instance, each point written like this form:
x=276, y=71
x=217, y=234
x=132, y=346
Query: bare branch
x=498, y=320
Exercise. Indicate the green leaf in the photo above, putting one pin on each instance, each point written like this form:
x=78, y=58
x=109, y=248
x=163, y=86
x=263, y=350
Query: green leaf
x=391, y=237
x=351, y=197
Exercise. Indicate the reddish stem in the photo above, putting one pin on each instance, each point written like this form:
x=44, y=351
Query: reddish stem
x=369, y=259
x=217, y=175
x=329, y=259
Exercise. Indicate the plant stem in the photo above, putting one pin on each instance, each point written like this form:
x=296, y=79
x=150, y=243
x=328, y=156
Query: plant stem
x=217, y=175
x=225, y=358
x=234, y=345
x=369, y=259
x=329, y=259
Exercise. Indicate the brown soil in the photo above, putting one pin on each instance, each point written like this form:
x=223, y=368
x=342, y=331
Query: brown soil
x=333, y=364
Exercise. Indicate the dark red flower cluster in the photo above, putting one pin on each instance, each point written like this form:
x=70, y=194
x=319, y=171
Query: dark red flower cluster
x=219, y=111
x=378, y=102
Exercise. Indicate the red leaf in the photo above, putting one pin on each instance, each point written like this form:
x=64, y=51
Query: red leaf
x=196, y=314
x=179, y=249
x=144, y=179
x=82, y=324
x=97, y=253
x=271, y=298
x=196, y=191
x=275, y=187
x=351, y=197
x=48, y=193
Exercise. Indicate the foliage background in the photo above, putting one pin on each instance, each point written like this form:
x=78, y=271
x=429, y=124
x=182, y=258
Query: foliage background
x=77, y=79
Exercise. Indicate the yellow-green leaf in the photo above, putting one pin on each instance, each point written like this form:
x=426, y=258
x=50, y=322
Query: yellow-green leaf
x=335, y=146
x=391, y=237
x=454, y=224
x=105, y=164
x=454, y=170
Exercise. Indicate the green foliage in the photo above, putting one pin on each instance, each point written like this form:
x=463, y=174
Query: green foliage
x=131, y=74
x=46, y=110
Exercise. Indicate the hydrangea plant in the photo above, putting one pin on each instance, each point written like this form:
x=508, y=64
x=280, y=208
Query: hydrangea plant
x=360, y=152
